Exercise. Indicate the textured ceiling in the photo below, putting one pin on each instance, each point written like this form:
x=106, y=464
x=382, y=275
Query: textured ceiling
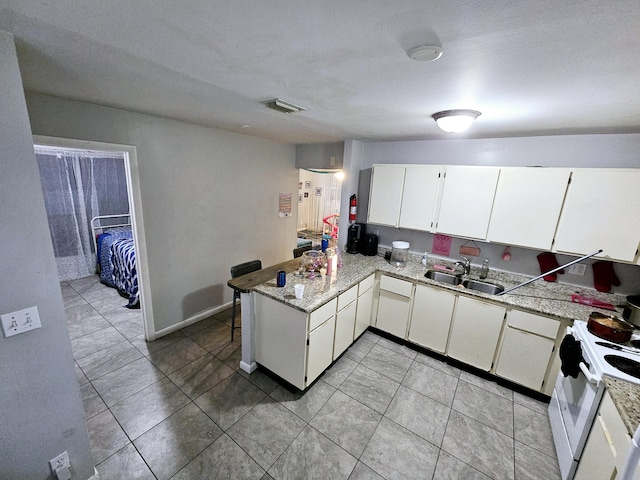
x=531, y=67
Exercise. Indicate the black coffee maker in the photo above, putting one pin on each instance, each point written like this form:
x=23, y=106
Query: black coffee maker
x=355, y=237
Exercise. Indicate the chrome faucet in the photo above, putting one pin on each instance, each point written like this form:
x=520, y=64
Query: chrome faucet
x=466, y=266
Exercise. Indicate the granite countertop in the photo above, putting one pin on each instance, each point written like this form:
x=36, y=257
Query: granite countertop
x=551, y=299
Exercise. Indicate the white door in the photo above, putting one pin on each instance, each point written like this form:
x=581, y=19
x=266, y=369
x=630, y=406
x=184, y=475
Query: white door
x=345, y=322
x=431, y=317
x=363, y=313
x=527, y=206
x=467, y=199
x=419, y=197
x=385, y=196
x=524, y=358
x=475, y=332
x=320, y=350
x=601, y=211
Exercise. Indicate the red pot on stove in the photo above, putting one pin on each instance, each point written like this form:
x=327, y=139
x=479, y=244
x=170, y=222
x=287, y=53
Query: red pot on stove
x=609, y=327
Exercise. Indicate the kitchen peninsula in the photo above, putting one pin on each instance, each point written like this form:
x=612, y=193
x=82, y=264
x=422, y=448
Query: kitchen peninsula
x=295, y=338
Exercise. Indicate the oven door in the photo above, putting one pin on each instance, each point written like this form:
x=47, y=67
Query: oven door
x=577, y=401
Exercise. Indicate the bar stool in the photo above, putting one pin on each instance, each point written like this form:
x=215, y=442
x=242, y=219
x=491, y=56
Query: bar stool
x=297, y=252
x=237, y=271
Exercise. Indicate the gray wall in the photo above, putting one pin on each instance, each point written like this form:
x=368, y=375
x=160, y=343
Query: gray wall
x=209, y=197
x=615, y=151
x=41, y=412
x=320, y=155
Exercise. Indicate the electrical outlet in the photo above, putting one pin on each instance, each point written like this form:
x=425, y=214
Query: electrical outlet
x=60, y=462
x=20, y=321
x=577, y=269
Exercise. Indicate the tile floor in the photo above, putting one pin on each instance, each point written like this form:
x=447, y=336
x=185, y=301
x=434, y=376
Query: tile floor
x=179, y=408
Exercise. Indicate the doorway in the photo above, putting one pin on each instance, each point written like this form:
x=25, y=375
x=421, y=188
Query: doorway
x=319, y=194
x=131, y=182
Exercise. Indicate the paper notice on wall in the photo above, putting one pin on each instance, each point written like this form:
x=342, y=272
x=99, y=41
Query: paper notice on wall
x=441, y=245
x=284, y=205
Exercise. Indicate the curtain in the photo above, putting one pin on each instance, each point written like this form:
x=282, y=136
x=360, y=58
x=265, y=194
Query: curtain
x=77, y=186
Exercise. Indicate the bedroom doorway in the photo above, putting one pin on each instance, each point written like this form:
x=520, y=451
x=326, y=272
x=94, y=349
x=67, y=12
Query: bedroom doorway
x=124, y=178
x=319, y=194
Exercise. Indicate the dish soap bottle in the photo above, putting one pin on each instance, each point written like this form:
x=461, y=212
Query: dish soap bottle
x=484, y=270
x=424, y=259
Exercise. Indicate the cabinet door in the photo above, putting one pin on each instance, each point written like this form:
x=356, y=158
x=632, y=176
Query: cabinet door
x=524, y=358
x=363, y=313
x=419, y=197
x=280, y=334
x=393, y=313
x=467, y=198
x=345, y=323
x=601, y=211
x=475, y=332
x=320, y=350
x=527, y=206
x=597, y=460
x=431, y=317
x=385, y=195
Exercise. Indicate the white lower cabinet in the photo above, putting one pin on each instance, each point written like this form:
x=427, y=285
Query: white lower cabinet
x=394, y=305
x=526, y=348
x=319, y=350
x=431, y=317
x=475, y=332
x=365, y=305
x=607, y=447
x=345, y=321
x=296, y=346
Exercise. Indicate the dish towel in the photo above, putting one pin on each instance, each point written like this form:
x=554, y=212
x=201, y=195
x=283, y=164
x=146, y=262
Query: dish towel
x=547, y=261
x=604, y=276
x=570, y=356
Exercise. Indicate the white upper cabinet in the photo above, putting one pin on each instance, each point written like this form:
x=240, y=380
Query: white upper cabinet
x=385, y=197
x=527, y=206
x=419, y=197
x=467, y=199
x=601, y=211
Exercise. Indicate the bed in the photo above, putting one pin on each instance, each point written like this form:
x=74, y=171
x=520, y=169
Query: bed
x=115, y=255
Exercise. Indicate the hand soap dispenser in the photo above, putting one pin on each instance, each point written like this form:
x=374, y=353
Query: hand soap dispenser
x=484, y=270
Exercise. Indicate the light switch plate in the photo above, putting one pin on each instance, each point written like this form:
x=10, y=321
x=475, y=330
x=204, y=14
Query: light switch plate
x=20, y=321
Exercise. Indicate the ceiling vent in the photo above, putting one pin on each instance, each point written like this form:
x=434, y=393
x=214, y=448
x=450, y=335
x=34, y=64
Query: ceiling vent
x=282, y=106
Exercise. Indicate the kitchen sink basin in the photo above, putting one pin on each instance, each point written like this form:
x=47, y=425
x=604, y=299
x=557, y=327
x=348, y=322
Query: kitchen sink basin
x=443, y=277
x=484, y=287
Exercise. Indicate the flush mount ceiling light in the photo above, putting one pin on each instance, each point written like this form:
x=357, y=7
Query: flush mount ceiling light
x=425, y=53
x=283, y=106
x=455, y=121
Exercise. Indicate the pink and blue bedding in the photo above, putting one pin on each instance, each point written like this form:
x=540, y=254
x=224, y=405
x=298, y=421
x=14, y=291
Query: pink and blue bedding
x=117, y=263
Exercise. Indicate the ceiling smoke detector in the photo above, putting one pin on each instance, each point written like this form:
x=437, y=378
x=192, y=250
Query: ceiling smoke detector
x=282, y=106
x=425, y=53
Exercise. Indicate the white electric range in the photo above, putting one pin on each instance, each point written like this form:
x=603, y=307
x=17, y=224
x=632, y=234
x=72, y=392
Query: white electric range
x=575, y=401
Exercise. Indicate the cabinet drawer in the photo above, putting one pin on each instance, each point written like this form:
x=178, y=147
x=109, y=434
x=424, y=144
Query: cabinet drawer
x=366, y=284
x=529, y=322
x=347, y=297
x=395, y=285
x=318, y=316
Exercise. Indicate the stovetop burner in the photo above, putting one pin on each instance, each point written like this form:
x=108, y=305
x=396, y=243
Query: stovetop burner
x=624, y=364
x=635, y=343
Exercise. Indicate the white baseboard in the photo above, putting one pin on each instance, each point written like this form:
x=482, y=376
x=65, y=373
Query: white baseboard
x=190, y=321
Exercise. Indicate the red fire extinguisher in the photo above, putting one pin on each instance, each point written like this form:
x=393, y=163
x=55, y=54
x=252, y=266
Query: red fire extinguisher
x=353, y=207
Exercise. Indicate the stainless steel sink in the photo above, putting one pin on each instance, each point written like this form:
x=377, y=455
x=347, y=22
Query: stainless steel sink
x=484, y=287
x=443, y=277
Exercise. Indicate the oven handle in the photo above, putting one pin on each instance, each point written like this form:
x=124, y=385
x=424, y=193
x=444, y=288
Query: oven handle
x=593, y=379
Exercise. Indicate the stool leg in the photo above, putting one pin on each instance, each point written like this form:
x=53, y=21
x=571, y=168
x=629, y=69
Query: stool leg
x=233, y=316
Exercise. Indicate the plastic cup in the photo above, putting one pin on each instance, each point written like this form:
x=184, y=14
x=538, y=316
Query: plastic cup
x=299, y=289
